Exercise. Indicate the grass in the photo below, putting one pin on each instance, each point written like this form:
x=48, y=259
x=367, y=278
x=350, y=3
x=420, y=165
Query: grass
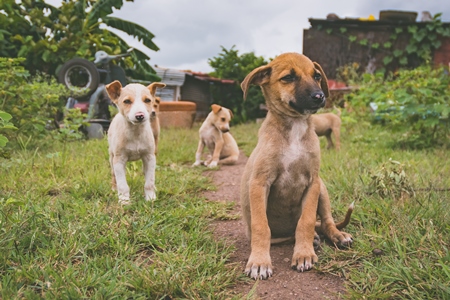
x=63, y=235
x=412, y=233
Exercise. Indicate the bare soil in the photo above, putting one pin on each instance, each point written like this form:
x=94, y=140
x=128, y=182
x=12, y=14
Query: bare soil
x=285, y=283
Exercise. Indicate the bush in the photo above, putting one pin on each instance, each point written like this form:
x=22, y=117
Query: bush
x=413, y=102
x=229, y=64
x=32, y=101
x=5, y=124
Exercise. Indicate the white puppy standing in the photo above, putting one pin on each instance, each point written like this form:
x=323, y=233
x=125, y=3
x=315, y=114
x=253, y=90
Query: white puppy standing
x=130, y=136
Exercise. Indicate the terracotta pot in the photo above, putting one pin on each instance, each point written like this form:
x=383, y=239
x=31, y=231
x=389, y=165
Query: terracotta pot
x=178, y=114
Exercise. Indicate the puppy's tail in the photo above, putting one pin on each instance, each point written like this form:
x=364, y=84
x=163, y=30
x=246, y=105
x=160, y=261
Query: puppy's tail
x=341, y=225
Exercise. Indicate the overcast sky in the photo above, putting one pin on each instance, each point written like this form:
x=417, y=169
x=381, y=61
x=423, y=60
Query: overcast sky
x=189, y=32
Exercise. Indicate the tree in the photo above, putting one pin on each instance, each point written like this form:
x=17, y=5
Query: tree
x=230, y=65
x=48, y=36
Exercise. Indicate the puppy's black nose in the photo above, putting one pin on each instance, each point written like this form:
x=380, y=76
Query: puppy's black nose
x=139, y=117
x=318, y=97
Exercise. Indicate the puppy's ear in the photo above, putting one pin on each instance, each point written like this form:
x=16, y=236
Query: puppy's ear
x=231, y=113
x=152, y=87
x=258, y=76
x=216, y=108
x=113, y=89
x=324, y=81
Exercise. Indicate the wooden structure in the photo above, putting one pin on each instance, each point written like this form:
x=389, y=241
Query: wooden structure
x=189, y=86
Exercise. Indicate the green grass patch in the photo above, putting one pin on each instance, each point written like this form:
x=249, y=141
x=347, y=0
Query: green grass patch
x=408, y=232
x=63, y=234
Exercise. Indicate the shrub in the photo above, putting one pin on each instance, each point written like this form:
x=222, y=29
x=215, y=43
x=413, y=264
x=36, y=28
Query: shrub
x=229, y=64
x=32, y=101
x=413, y=102
x=5, y=124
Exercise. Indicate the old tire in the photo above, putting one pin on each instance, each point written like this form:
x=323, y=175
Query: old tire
x=79, y=74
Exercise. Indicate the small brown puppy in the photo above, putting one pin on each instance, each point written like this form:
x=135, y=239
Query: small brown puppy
x=154, y=122
x=214, y=134
x=281, y=191
x=326, y=124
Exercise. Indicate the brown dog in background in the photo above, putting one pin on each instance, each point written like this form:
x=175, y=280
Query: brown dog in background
x=327, y=124
x=281, y=191
x=214, y=134
x=154, y=121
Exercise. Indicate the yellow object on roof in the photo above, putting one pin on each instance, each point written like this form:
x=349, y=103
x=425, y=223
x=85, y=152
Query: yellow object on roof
x=370, y=18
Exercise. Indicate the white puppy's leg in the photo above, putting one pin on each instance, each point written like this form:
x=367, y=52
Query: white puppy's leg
x=216, y=154
x=113, y=176
x=198, y=154
x=149, y=164
x=122, y=187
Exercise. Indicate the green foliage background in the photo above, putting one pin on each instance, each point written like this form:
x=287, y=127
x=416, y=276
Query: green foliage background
x=413, y=102
x=229, y=64
x=33, y=101
x=47, y=36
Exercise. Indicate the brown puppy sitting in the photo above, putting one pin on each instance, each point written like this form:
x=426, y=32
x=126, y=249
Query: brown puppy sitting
x=214, y=134
x=281, y=191
x=327, y=124
x=154, y=121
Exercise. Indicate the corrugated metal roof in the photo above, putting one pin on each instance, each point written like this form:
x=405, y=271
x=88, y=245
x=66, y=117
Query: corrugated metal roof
x=171, y=76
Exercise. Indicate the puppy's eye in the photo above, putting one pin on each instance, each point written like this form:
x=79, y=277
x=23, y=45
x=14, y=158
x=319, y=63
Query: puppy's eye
x=288, y=78
x=222, y=119
x=317, y=76
x=146, y=100
x=127, y=101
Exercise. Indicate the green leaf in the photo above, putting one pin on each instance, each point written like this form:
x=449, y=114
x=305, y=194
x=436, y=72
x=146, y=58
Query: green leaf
x=412, y=29
x=387, y=60
x=363, y=42
x=12, y=201
x=387, y=45
x=352, y=38
x=403, y=61
x=343, y=30
x=411, y=48
x=3, y=141
x=137, y=31
x=101, y=9
x=46, y=55
x=5, y=116
x=397, y=53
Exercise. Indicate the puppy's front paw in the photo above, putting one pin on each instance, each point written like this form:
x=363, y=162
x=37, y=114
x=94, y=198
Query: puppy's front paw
x=212, y=164
x=304, y=259
x=259, y=268
x=197, y=163
x=124, y=200
x=150, y=195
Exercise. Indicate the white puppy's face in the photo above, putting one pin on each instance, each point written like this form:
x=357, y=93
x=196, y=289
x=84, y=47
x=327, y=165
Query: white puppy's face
x=134, y=101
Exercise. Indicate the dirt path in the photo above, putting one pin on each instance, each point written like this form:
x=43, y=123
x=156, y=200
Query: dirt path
x=285, y=283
